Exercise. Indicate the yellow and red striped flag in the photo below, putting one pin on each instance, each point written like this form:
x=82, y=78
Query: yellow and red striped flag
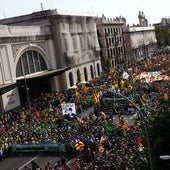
x=96, y=97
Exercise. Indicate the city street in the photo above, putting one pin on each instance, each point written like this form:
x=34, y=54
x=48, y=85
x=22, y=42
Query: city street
x=20, y=160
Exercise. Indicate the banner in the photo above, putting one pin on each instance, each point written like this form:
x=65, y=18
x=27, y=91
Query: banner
x=52, y=147
x=69, y=110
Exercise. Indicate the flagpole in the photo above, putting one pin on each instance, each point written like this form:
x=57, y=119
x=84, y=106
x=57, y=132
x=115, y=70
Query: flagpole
x=140, y=115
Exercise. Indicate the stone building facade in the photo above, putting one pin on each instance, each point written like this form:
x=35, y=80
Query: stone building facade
x=46, y=51
x=112, y=40
x=143, y=22
x=140, y=40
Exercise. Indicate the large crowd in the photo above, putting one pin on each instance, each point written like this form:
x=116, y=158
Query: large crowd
x=105, y=145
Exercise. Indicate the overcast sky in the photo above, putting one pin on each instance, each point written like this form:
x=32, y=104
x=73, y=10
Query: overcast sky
x=154, y=10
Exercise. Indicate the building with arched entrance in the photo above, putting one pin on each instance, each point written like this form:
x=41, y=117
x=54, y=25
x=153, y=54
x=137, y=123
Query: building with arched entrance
x=45, y=51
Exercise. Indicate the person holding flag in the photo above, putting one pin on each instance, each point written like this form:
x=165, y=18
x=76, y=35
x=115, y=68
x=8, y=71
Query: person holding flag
x=77, y=144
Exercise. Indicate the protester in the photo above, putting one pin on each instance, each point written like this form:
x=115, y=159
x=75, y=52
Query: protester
x=47, y=124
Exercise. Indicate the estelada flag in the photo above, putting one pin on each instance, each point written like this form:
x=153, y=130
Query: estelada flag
x=166, y=97
x=123, y=124
x=139, y=143
x=79, y=145
x=96, y=97
x=73, y=164
x=103, y=139
x=86, y=89
x=77, y=93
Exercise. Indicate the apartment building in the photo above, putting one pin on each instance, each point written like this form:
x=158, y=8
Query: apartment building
x=112, y=40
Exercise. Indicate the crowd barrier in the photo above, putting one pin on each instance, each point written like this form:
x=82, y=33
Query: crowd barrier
x=51, y=147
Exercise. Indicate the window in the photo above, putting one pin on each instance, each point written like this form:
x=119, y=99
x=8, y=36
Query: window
x=108, y=53
x=91, y=71
x=78, y=76
x=98, y=69
x=105, y=30
x=107, y=42
x=30, y=62
x=71, y=79
x=85, y=74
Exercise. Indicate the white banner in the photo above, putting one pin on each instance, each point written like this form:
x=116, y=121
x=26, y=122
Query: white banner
x=68, y=109
x=125, y=75
x=11, y=99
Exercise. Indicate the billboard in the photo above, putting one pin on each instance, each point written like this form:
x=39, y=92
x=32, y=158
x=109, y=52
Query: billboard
x=11, y=99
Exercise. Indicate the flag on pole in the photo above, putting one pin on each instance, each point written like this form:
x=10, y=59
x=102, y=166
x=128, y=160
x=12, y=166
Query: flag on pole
x=77, y=143
x=125, y=75
x=139, y=143
x=86, y=89
x=77, y=93
x=96, y=97
x=166, y=97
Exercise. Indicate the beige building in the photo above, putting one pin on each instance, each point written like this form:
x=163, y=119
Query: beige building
x=141, y=40
x=46, y=51
x=112, y=40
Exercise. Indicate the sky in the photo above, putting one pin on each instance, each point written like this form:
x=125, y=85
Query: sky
x=154, y=10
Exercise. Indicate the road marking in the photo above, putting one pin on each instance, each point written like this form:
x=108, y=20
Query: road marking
x=29, y=161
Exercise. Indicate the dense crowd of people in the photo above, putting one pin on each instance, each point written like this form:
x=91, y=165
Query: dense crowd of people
x=105, y=145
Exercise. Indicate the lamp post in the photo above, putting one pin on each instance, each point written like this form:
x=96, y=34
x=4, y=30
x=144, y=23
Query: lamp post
x=27, y=93
x=140, y=114
x=25, y=82
x=164, y=157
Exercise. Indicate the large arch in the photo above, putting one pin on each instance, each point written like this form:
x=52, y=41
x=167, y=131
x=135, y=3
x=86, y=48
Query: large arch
x=30, y=60
x=31, y=47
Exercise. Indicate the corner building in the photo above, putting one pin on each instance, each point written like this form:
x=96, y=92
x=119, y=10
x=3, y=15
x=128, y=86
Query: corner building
x=112, y=40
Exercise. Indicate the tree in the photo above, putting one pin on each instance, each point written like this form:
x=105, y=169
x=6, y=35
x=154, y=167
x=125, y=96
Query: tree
x=159, y=133
x=162, y=36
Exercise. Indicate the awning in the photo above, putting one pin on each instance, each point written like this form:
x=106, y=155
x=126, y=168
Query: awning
x=44, y=74
x=7, y=87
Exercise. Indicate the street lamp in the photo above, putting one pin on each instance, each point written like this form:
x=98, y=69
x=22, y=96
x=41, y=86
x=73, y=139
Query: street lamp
x=25, y=82
x=140, y=115
x=165, y=157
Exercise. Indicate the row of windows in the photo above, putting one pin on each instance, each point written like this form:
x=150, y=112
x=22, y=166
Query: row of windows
x=114, y=31
x=115, y=51
x=117, y=61
x=115, y=40
x=85, y=73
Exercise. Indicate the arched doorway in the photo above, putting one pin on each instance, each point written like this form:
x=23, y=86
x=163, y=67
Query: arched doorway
x=98, y=69
x=30, y=63
x=85, y=74
x=78, y=76
x=92, y=72
x=71, y=79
